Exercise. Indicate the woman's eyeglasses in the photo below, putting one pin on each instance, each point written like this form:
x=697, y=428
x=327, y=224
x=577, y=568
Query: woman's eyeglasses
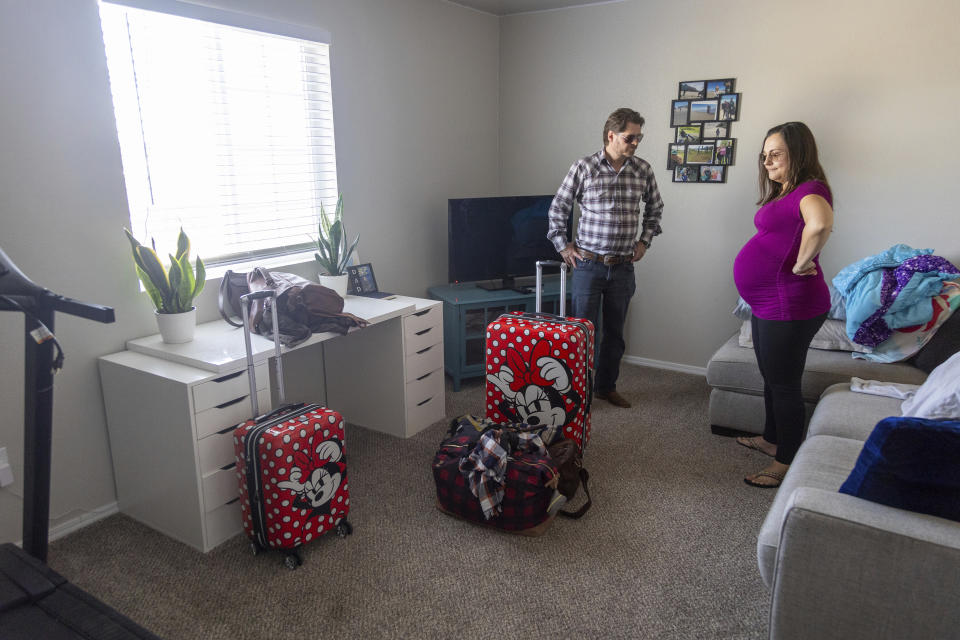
x=773, y=156
x=630, y=138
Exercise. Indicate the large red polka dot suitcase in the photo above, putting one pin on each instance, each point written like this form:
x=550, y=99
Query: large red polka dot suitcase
x=540, y=367
x=291, y=468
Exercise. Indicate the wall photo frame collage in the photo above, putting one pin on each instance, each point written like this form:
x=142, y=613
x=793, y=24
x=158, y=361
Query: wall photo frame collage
x=702, y=117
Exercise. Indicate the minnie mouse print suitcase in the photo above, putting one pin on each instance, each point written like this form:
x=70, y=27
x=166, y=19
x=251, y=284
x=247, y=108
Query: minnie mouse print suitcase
x=540, y=367
x=291, y=465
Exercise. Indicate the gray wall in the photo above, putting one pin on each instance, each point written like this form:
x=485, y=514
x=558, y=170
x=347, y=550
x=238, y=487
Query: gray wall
x=416, y=88
x=876, y=82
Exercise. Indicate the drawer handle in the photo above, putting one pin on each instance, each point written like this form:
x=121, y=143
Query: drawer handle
x=232, y=501
x=427, y=330
x=424, y=350
x=228, y=466
x=230, y=402
x=229, y=376
x=420, y=404
x=227, y=430
x=426, y=375
x=421, y=313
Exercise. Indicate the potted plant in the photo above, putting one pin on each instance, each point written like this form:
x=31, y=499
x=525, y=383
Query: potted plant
x=332, y=252
x=172, y=290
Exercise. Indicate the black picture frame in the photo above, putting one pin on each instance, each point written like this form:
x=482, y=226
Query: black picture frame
x=689, y=133
x=714, y=88
x=686, y=173
x=679, y=113
x=675, y=155
x=728, y=156
x=729, y=113
x=691, y=90
x=361, y=279
x=712, y=173
x=703, y=110
x=701, y=153
x=716, y=129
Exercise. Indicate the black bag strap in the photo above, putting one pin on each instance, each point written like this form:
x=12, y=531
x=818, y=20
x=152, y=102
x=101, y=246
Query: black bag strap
x=224, y=302
x=576, y=515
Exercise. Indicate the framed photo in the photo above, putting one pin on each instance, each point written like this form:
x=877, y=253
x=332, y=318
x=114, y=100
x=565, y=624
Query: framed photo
x=689, y=134
x=679, y=113
x=717, y=87
x=724, y=151
x=719, y=129
x=675, y=155
x=712, y=173
x=701, y=110
x=692, y=89
x=729, y=106
x=700, y=153
x=685, y=173
x=361, y=279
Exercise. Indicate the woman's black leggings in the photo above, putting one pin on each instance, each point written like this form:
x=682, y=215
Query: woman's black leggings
x=781, y=349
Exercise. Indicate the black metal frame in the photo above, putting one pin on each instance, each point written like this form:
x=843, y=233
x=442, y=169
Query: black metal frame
x=39, y=305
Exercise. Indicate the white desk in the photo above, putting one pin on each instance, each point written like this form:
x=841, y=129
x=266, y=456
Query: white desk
x=171, y=409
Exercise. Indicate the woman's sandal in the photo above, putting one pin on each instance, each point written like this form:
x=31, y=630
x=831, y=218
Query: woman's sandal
x=753, y=442
x=773, y=475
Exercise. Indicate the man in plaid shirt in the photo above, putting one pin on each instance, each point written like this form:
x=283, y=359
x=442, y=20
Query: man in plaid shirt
x=610, y=187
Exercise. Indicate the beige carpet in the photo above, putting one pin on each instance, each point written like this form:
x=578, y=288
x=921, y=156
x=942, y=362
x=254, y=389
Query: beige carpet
x=668, y=550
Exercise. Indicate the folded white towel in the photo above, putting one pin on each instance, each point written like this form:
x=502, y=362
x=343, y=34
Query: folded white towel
x=888, y=389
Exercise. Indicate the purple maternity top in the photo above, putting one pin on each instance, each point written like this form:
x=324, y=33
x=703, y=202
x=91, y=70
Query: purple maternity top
x=763, y=270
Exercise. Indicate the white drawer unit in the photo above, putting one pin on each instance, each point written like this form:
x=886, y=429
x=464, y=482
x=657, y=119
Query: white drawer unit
x=171, y=437
x=171, y=409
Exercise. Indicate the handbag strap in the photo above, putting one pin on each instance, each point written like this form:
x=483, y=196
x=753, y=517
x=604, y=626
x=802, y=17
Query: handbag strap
x=223, y=300
x=576, y=515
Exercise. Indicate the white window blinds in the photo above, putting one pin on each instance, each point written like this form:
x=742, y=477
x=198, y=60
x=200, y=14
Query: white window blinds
x=223, y=130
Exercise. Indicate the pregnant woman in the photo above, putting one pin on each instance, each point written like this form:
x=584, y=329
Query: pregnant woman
x=778, y=273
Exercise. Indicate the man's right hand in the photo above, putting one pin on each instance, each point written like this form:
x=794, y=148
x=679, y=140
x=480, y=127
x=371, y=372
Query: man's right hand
x=570, y=254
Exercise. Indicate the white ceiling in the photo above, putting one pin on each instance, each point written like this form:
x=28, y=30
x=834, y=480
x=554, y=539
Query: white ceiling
x=509, y=7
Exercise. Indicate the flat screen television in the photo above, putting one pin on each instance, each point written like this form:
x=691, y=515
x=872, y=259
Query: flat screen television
x=494, y=241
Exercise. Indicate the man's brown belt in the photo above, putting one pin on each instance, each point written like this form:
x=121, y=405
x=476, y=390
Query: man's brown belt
x=608, y=259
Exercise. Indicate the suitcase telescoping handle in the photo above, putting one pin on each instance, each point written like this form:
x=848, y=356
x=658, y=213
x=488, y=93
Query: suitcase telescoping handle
x=563, y=284
x=245, y=302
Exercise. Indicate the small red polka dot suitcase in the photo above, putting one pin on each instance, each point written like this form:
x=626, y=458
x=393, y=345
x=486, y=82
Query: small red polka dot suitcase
x=539, y=367
x=291, y=467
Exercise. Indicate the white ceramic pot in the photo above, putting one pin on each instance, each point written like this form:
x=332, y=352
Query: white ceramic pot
x=177, y=328
x=337, y=283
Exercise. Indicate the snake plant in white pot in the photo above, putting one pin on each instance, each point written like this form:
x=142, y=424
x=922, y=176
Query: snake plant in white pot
x=333, y=255
x=172, y=290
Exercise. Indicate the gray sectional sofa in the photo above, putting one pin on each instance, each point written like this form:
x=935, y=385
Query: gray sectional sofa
x=839, y=566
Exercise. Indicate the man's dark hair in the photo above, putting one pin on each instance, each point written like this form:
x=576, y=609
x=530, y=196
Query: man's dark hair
x=618, y=121
x=804, y=161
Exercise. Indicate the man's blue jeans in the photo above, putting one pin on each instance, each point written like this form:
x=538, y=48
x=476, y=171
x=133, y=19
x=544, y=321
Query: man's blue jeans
x=597, y=288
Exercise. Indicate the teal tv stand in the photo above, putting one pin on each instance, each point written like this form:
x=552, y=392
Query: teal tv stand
x=468, y=309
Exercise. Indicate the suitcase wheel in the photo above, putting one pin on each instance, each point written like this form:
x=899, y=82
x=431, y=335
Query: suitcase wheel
x=255, y=548
x=344, y=529
x=292, y=560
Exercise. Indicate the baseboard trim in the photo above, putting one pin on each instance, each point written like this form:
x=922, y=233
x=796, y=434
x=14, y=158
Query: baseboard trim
x=662, y=364
x=83, y=520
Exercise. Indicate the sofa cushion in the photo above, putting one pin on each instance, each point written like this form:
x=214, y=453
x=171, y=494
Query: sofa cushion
x=823, y=462
x=910, y=463
x=734, y=368
x=944, y=343
x=849, y=414
x=939, y=396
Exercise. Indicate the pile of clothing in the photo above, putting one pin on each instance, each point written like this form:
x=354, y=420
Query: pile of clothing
x=896, y=300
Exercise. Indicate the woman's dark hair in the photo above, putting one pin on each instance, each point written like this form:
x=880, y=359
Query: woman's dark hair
x=804, y=162
x=618, y=120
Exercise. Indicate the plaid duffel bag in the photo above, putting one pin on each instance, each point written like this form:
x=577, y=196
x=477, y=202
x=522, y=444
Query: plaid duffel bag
x=496, y=475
